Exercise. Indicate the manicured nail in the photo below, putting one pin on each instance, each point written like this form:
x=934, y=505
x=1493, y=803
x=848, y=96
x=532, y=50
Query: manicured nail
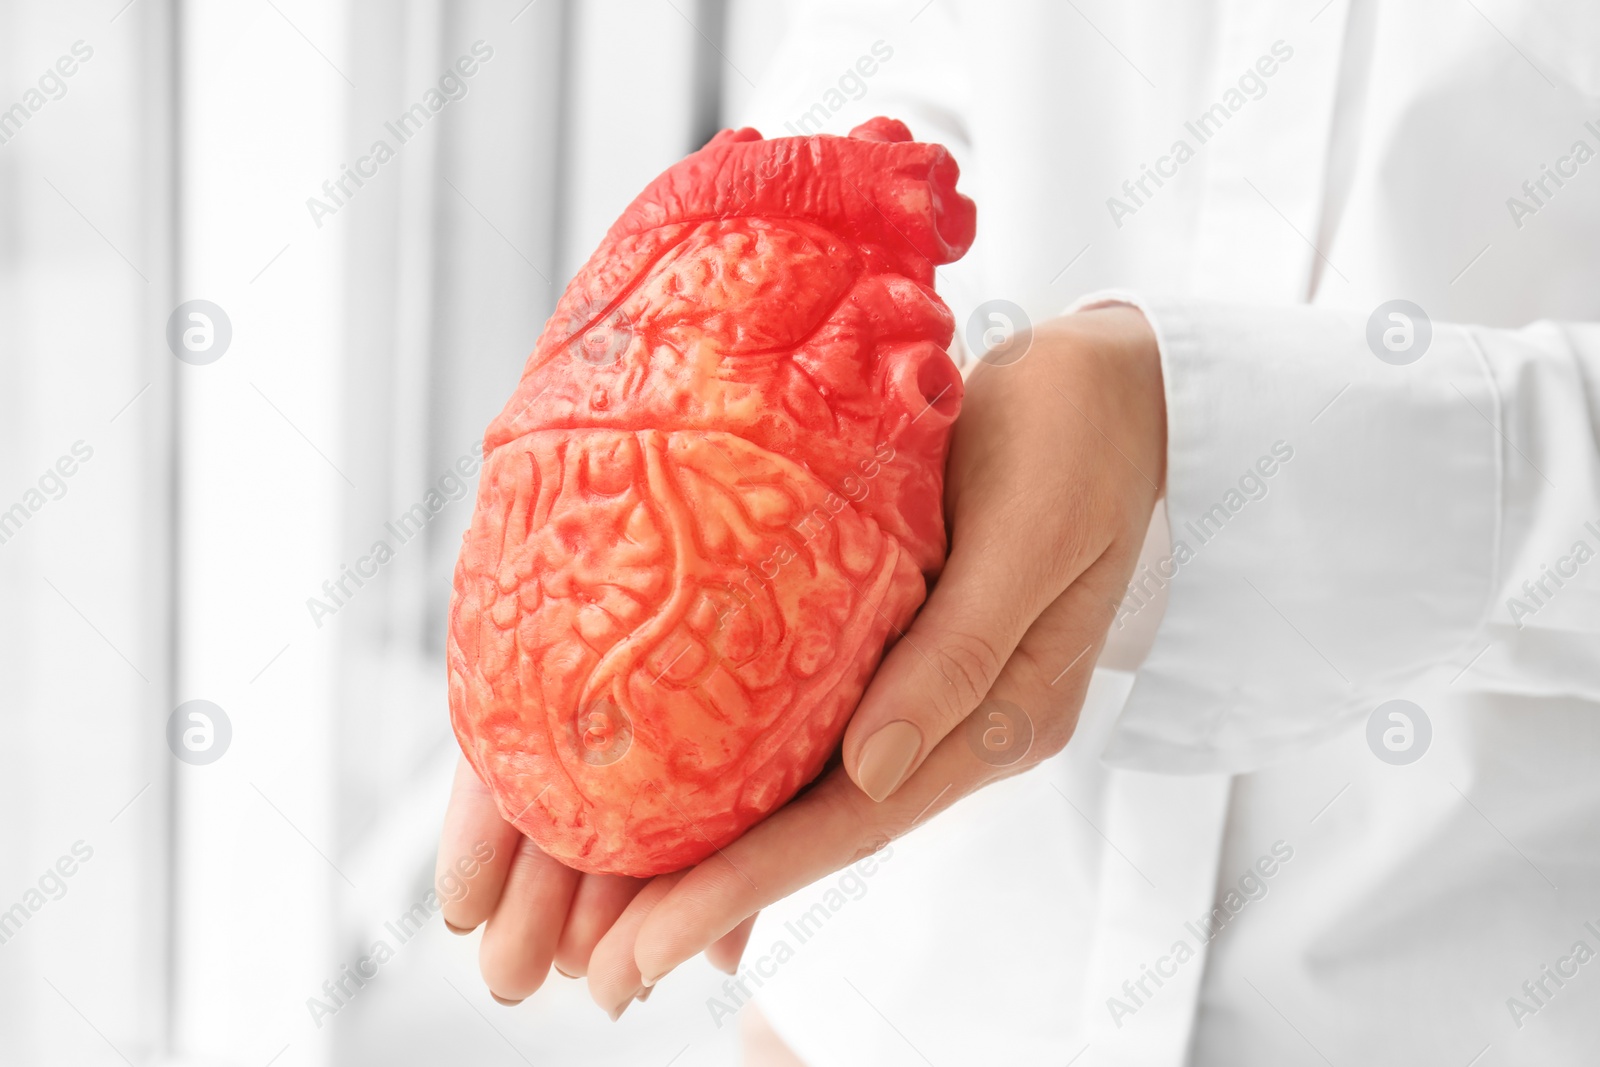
x=498, y=999
x=454, y=929
x=648, y=982
x=562, y=973
x=886, y=757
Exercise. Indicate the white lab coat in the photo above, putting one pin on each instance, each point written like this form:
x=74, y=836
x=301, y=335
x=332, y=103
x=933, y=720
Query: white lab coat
x=1381, y=913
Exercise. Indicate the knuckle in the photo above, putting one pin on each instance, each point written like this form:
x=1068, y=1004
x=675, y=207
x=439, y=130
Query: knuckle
x=871, y=845
x=841, y=808
x=1052, y=730
x=1049, y=740
x=967, y=665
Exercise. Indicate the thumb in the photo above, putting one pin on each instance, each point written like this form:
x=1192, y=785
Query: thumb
x=942, y=667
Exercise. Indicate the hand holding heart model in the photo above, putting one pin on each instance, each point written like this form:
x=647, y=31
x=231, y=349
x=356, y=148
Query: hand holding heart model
x=713, y=499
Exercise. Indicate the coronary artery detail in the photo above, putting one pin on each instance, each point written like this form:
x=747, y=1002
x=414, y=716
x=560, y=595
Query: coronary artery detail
x=713, y=498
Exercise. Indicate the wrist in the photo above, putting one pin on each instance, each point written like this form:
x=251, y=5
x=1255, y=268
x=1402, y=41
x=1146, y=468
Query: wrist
x=1116, y=347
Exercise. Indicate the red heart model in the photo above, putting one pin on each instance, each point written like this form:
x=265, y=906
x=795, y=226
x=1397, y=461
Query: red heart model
x=714, y=497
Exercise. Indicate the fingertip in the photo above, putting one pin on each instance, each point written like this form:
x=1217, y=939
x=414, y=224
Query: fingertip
x=476, y=847
x=726, y=952
x=599, y=901
x=706, y=906
x=614, y=974
x=519, y=943
x=656, y=957
x=886, y=759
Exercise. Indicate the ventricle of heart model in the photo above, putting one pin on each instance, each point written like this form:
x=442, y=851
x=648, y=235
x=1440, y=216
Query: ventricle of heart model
x=714, y=498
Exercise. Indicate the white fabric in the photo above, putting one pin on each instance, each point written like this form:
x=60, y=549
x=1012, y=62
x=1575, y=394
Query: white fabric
x=1397, y=550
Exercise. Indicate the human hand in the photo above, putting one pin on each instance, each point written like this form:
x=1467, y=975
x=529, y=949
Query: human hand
x=1056, y=463
x=540, y=912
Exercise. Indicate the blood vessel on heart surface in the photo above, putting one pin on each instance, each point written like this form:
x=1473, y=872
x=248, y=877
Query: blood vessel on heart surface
x=714, y=497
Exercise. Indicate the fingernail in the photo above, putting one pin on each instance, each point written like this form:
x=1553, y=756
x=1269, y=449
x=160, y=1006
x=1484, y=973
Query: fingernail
x=498, y=999
x=616, y=1013
x=886, y=757
x=644, y=994
x=732, y=968
x=454, y=929
x=648, y=982
x=562, y=973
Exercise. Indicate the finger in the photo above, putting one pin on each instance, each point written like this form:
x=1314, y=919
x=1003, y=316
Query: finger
x=614, y=979
x=725, y=952
x=836, y=824
x=1033, y=709
x=948, y=661
x=1021, y=533
x=521, y=938
x=476, y=847
x=599, y=900
x=831, y=825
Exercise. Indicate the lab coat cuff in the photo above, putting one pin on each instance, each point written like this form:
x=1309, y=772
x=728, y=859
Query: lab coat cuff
x=1332, y=517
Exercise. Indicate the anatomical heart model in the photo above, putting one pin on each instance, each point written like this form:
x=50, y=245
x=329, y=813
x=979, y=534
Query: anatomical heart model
x=714, y=497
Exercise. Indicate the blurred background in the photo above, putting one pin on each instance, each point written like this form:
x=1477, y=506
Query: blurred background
x=203, y=528
x=269, y=267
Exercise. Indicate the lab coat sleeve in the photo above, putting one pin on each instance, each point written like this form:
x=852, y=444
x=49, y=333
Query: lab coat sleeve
x=1346, y=531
